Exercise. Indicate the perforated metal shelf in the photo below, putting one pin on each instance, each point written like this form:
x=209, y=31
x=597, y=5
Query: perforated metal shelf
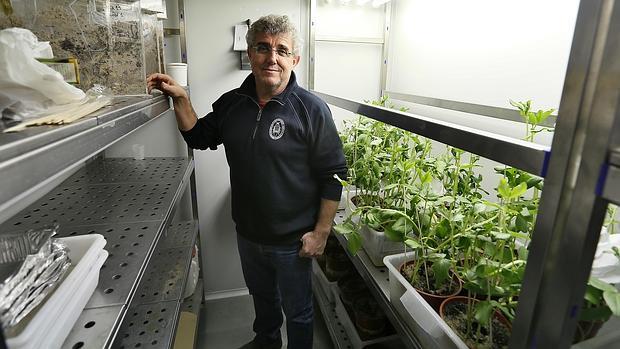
x=148, y=325
x=128, y=246
x=179, y=235
x=165, y=276
x=94, y=328
x=335, y=328
x=126, y=170
x=38, y=157
x=161, y=287
x=130, y=215
x=193, y=303
x=79, y=202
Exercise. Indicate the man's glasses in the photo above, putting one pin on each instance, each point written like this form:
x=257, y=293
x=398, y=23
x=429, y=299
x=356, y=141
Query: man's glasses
x=265, y=49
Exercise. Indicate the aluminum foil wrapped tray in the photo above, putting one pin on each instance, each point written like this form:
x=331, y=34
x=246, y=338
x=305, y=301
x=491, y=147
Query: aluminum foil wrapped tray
x=31, y=264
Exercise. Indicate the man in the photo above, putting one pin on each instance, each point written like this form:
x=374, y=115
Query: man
x=283, y=152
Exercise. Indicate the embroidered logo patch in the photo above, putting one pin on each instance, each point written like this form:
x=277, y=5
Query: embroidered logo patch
x=276, y=130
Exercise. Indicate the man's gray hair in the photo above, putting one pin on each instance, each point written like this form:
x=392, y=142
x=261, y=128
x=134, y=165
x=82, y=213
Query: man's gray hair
x=274, y=25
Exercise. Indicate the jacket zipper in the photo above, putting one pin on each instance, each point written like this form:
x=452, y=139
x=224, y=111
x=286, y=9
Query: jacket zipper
x=260, y=113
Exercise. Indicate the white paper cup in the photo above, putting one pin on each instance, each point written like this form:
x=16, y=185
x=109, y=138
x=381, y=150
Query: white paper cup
x=178, y=72
x=138, y=151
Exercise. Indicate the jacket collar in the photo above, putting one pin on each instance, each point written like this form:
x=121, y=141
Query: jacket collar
x=248, y=87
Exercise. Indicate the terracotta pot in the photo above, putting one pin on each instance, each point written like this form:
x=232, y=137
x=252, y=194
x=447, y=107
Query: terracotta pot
x=370, y=320
x=337, y=265
x=435, y=300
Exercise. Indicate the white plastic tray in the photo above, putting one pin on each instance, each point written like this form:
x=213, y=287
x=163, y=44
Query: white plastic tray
x=349, y=327
x=328, y=287
x=427, y=325
x=53, y=320
x=377, y=245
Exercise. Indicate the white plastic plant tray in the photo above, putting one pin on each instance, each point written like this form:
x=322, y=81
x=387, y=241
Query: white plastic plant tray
x=328, y=287
x=377, y=245
x=349, y=327
x=427, y=325
x=50, y=324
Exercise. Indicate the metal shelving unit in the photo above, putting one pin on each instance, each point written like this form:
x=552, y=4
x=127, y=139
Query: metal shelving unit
x=132, y=203
x=47, y=153
x=581, y=170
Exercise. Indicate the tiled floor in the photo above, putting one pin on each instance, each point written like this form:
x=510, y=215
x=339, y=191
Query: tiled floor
x=227, y=324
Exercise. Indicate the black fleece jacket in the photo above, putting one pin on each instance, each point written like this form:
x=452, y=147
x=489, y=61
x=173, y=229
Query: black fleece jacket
x=282, y=159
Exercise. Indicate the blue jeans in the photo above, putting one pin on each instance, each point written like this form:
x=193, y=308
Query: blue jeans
x=278, y=279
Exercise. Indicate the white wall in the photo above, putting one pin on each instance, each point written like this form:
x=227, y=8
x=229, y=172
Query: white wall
x=483, y=52
x=480, y=51
x=351, y=67
x=214, y=69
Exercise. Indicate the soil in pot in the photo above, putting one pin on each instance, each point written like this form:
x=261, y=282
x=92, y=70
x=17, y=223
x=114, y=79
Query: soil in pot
x=454, y=312
x=367, y=200
x=370, y=320
x=433, y=297
x=337, y=264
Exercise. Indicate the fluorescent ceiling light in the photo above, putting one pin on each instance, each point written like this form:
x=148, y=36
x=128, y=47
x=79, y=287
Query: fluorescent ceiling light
x=377, y=3
x=362, y=2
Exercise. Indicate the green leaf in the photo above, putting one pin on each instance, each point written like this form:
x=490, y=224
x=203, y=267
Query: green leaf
x=441, y=270
x=479, y=207
x=521, y=224
x=503, y=189
x=500, y=236
x=413, y=244
x=519, y=190
x=595, y=314
x=344, y=228
x=484, y=311
x=394, y=234
x=443, y=229
x=354, y=242
x=612, y=298
x=592, y=295
x=601, y=285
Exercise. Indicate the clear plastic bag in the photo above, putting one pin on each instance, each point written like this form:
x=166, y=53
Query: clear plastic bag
x=27, y=86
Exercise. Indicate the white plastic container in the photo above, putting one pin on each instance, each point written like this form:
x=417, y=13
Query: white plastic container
x=51, y=323
x=178, y=72
x=427, y=325
x=349, y=327
x=377, y=245
x=329, y=288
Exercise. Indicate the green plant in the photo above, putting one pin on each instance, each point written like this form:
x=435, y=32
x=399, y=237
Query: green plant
x=533, y=120
x=602, y=300
x=611, y=219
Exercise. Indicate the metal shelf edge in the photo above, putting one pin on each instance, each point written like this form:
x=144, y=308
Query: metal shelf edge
x=330, y=318
x=523, y=155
